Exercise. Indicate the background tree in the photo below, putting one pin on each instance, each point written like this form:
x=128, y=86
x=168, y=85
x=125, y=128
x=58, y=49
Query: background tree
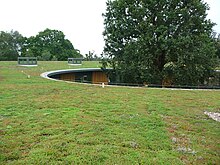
x=217, y=45
x=51, y=42
x=46, y=56
x=10, y=45
x=89, y=56
x=92, y=56
x=151, y=41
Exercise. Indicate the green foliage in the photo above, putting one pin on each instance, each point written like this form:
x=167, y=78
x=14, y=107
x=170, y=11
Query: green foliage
x=217, y=46
x=91, y=56
x=10, y=44
x=48, y=44
x=143, y=37
x=54, y=58
x=46, y=56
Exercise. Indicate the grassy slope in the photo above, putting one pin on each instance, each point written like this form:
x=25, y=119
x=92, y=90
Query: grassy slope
x=48, y=122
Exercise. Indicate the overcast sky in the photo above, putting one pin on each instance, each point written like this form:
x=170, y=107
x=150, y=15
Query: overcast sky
x=80, y=20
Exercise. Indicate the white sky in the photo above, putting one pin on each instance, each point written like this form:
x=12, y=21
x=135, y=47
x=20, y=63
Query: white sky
x=80, y=20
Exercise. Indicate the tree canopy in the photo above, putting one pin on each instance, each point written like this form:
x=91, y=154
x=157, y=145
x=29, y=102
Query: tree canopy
x=46, y=45
x=217, y=44
x=154, y=41
x=10, y=45
x=49, y=44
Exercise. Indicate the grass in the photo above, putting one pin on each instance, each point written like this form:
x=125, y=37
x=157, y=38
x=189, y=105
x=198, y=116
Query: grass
x=49, y=122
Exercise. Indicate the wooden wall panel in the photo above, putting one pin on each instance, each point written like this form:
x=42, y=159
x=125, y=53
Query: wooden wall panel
x=67, y=77
x=99, y=77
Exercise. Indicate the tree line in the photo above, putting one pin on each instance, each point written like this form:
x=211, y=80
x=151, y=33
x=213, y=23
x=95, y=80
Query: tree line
x=159, y=42
x=46, y=45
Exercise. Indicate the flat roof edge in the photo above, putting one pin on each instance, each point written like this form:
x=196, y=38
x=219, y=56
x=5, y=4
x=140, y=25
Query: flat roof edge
x=51, y=73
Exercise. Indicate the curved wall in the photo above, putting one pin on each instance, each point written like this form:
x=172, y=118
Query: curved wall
x=84, y=75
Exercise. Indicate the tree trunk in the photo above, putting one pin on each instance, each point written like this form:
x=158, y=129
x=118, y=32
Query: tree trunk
x=161, y=61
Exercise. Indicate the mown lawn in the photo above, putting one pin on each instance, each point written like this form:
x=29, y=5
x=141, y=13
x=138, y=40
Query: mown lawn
x=49, y=122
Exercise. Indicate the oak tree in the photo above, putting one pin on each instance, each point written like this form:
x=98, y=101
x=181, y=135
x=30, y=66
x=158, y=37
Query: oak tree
x=153, y=41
